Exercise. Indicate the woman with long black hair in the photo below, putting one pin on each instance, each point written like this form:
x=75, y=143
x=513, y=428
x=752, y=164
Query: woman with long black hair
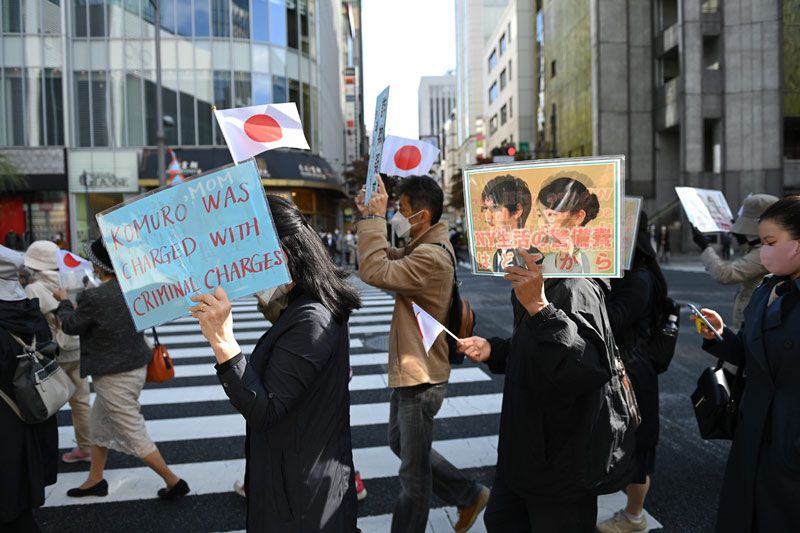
x=293, y=392
x=631, y=309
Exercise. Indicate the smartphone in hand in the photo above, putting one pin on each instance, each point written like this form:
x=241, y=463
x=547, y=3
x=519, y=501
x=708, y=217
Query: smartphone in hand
x=704, y=320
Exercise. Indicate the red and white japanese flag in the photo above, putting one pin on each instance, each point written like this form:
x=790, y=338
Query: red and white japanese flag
x=407, y=157
x=255, y=129
x=72, y=270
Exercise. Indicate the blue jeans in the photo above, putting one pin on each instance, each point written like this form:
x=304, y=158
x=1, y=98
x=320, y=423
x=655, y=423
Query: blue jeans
x=422, y=470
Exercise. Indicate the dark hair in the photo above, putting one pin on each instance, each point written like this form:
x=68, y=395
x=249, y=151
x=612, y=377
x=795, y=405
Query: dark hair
x=510, y=192
x=567, y=193
x=423, y=193
x=786, y=213
x=310, y=266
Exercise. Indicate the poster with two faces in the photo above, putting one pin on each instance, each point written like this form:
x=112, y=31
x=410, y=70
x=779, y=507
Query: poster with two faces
x=570, y=211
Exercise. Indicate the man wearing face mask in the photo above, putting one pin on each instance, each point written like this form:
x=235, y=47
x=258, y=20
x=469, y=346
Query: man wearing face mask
x=746, y=269
x=421, y=272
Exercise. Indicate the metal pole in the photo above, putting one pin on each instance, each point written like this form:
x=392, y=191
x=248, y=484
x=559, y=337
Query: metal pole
x=162, y=164
x=85, y=180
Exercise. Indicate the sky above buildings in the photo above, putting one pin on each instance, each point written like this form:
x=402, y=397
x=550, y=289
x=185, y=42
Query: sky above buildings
x=403, y=41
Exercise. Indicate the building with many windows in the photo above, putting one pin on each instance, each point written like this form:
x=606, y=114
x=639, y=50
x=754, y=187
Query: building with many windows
x=78, y=90
x=437, y=98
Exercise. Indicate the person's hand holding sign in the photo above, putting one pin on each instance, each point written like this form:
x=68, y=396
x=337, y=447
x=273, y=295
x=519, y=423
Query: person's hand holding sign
x=216, y=322
x=377, y=202
x=528, y=282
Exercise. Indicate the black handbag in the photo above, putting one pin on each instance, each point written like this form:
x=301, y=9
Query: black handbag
x=716, y=401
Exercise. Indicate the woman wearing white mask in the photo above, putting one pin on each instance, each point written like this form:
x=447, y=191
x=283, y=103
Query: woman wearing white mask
x=761, y=489
x=293, y=389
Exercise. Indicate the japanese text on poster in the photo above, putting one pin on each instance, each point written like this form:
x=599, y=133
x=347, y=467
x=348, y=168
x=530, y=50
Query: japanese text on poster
x=376, y=149
x=706, y=209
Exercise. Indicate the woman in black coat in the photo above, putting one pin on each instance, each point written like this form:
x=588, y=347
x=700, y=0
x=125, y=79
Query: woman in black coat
x=28, y=452
x=761, y=488
x=631, y=310
x=293, y=392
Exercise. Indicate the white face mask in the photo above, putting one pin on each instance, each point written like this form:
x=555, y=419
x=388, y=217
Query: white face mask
x=402, y=226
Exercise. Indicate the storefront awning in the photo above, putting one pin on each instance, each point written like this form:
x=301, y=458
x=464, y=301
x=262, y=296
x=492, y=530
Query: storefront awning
x=278, y=168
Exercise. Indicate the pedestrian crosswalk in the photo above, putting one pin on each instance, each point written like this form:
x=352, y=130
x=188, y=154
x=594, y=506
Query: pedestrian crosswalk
x=202, y=437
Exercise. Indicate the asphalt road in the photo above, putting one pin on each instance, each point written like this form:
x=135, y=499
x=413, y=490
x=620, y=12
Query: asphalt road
x=686, y=484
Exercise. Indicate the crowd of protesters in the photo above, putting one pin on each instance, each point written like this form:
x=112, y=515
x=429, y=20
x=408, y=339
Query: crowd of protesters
x=574, y=344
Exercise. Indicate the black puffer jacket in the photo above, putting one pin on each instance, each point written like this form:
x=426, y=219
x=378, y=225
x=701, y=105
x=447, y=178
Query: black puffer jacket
x=556, y=365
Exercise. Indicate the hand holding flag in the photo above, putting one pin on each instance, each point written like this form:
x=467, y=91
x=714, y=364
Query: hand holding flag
x=429, y=327
x=72, y=270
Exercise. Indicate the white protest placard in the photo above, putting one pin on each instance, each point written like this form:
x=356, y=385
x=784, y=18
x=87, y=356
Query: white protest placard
x=213, y=230
x=706, y=209
x=376, y=149
x=632, y=209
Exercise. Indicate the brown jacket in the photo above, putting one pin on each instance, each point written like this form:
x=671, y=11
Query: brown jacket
x=746, y=269
x=421, y=272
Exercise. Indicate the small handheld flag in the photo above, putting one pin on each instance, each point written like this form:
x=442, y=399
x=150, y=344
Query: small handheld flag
x=248, y=131
x=407, y=157
x=72, y=270
x=429, y=327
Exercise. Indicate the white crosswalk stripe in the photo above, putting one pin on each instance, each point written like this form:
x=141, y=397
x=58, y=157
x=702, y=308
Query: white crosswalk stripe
x=202, y=436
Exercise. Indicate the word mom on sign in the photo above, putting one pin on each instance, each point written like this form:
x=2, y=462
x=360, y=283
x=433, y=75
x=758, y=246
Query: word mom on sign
x=213, y=230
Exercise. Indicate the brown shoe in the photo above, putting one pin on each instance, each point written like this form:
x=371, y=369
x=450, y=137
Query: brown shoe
x=468, y=515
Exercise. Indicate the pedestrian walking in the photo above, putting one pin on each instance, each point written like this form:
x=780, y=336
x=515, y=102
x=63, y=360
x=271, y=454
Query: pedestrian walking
x=293, y=389
x=663, y=244
x=557, y=366
x=40, y=258
x=746, y=270
x=422, y=273
x=116, y=356
x=761, y=486
x=632, y=306
x=28, y=452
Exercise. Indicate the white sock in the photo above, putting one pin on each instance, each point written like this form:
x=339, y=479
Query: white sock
x=634, y=518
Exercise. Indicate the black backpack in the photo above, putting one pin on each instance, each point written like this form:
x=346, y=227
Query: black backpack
x=460, y=318
x=661, y=347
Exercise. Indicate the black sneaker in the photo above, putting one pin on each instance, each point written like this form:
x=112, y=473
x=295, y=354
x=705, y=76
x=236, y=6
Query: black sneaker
x=98, y=489
x=181, y=488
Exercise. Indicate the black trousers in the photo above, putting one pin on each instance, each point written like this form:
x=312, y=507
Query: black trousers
x=509, y=512
x=23, y=523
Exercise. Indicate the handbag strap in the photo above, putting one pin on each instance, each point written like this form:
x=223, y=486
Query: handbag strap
x=12, y=404
x=155, y=337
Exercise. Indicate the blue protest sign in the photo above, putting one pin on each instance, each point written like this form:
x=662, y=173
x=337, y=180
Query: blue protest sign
x=376, y=150
x=213, y=230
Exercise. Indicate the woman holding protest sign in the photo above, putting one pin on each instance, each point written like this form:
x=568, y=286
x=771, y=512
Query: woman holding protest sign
x=116, y=357
x=293, y=390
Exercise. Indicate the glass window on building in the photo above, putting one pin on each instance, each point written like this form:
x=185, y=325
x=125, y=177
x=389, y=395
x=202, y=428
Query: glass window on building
x=202, y=18
x=169, y=98
x=492, y=60
x=12, y=16
x=262, y=88
x=307, y=114
x=260, y=21
x=510, y=107
x=83, y=113
x=279, y=89
x=503, y=45
x=13, y=106
x=312, y=31
x=242, y=89
x=219, y=18
x=131, y=25
x=187, y=119
x=493, y=93
x=53, y=108
x=241, y=19
x=503, y=115
x=51, y=17
x=277, y=22
x=97, y=18
x=135, y=105
x=294, y=91
x=203, y=94
x=80, y=10
x=183, y=16
x=503, y=81
x=509, y=70
x=150, y=110
x=304, y=33
x=168, y=21
x=100, y=118
x=291, y=24
x=222, y=97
